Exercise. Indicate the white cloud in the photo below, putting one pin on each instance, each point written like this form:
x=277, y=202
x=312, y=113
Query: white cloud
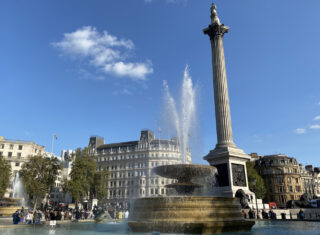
x=134, y=70
x=315, y=126
x=316, y=118
x=103, y=51
x=300, y=131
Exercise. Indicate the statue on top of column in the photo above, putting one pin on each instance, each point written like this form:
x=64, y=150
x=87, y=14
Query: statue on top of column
x=214, y=15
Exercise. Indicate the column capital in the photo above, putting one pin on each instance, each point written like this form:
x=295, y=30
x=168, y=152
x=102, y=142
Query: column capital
x=216, y=30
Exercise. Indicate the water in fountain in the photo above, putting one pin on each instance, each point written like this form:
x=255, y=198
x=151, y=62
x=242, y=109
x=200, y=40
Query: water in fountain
x=183, y=119
x=18, y=191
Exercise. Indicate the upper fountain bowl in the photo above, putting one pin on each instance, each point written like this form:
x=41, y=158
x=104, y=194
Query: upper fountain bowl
x=184, y=172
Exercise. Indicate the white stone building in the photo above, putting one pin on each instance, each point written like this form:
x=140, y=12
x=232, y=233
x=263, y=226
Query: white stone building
x=130, y=165
x=310, y=177
x=18, y=152
x=57, y=195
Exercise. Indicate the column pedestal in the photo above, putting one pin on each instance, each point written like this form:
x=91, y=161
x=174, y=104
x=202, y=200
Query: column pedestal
x=232, y=172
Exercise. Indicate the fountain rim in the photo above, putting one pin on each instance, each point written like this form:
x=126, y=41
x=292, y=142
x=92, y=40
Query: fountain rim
x=176, y=171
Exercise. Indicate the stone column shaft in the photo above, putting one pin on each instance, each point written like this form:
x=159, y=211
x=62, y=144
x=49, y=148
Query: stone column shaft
x=221, y=96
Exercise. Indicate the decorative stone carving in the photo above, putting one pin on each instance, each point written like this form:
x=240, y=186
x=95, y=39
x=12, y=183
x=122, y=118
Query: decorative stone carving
x=216, y=31
x=239, y=176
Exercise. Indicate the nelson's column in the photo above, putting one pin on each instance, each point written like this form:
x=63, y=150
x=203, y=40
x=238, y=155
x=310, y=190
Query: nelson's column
x=229, y=160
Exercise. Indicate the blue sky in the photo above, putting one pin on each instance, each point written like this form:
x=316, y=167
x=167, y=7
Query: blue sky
x=53, y=82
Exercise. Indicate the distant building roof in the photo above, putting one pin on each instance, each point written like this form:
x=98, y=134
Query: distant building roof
x=121, y=144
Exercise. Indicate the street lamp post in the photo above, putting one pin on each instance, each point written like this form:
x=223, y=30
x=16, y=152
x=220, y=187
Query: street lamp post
x=254, y=182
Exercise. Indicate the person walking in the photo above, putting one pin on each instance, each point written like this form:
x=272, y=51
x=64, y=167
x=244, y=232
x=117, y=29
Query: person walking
x=127, y=214
x=35, y=217
x=15, y=217
x=120, y=215
x=29, y=218
x=39, y=216
x=53, y=221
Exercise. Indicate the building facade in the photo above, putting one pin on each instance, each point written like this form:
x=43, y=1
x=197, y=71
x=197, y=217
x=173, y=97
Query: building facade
x=57, y=195
x=310, y=180
x=282, y=178
x=130, y=165
x=18, y=152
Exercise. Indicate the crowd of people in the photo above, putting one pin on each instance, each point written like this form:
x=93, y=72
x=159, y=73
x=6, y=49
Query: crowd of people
x=27, y=216
x=57, y=213
x=268, y=215
x=119, y=214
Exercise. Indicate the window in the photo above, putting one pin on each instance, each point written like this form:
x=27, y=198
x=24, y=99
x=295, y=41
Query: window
x=17, y=163
x=9, y=154
x=283, y=198
x=290, y=189
x=2, y=146
x=162, y=191
x=20, y=147
x=289, y=180
x=11, y=146
x=297, y=180
x=1, y=153
x=298, y=189
x=151, y=191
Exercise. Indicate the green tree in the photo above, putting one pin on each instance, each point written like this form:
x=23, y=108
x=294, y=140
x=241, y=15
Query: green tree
x=85, y=179
x=5, y=174
x=100, y=184
x=38, y=176
x=253, y=176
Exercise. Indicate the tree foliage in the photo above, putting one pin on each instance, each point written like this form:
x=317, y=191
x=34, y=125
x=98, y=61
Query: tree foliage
x=259, y=188
x=100, y=184
x=38, y=176
x=85, y=179
x=5, y=174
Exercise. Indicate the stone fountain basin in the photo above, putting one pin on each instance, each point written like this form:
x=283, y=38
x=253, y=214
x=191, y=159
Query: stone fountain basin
x=184, y=172
x=188, y=214
x=11, y=206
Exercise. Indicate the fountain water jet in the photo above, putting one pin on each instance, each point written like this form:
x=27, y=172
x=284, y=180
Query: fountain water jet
x=184, y=119
x=18, y=191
